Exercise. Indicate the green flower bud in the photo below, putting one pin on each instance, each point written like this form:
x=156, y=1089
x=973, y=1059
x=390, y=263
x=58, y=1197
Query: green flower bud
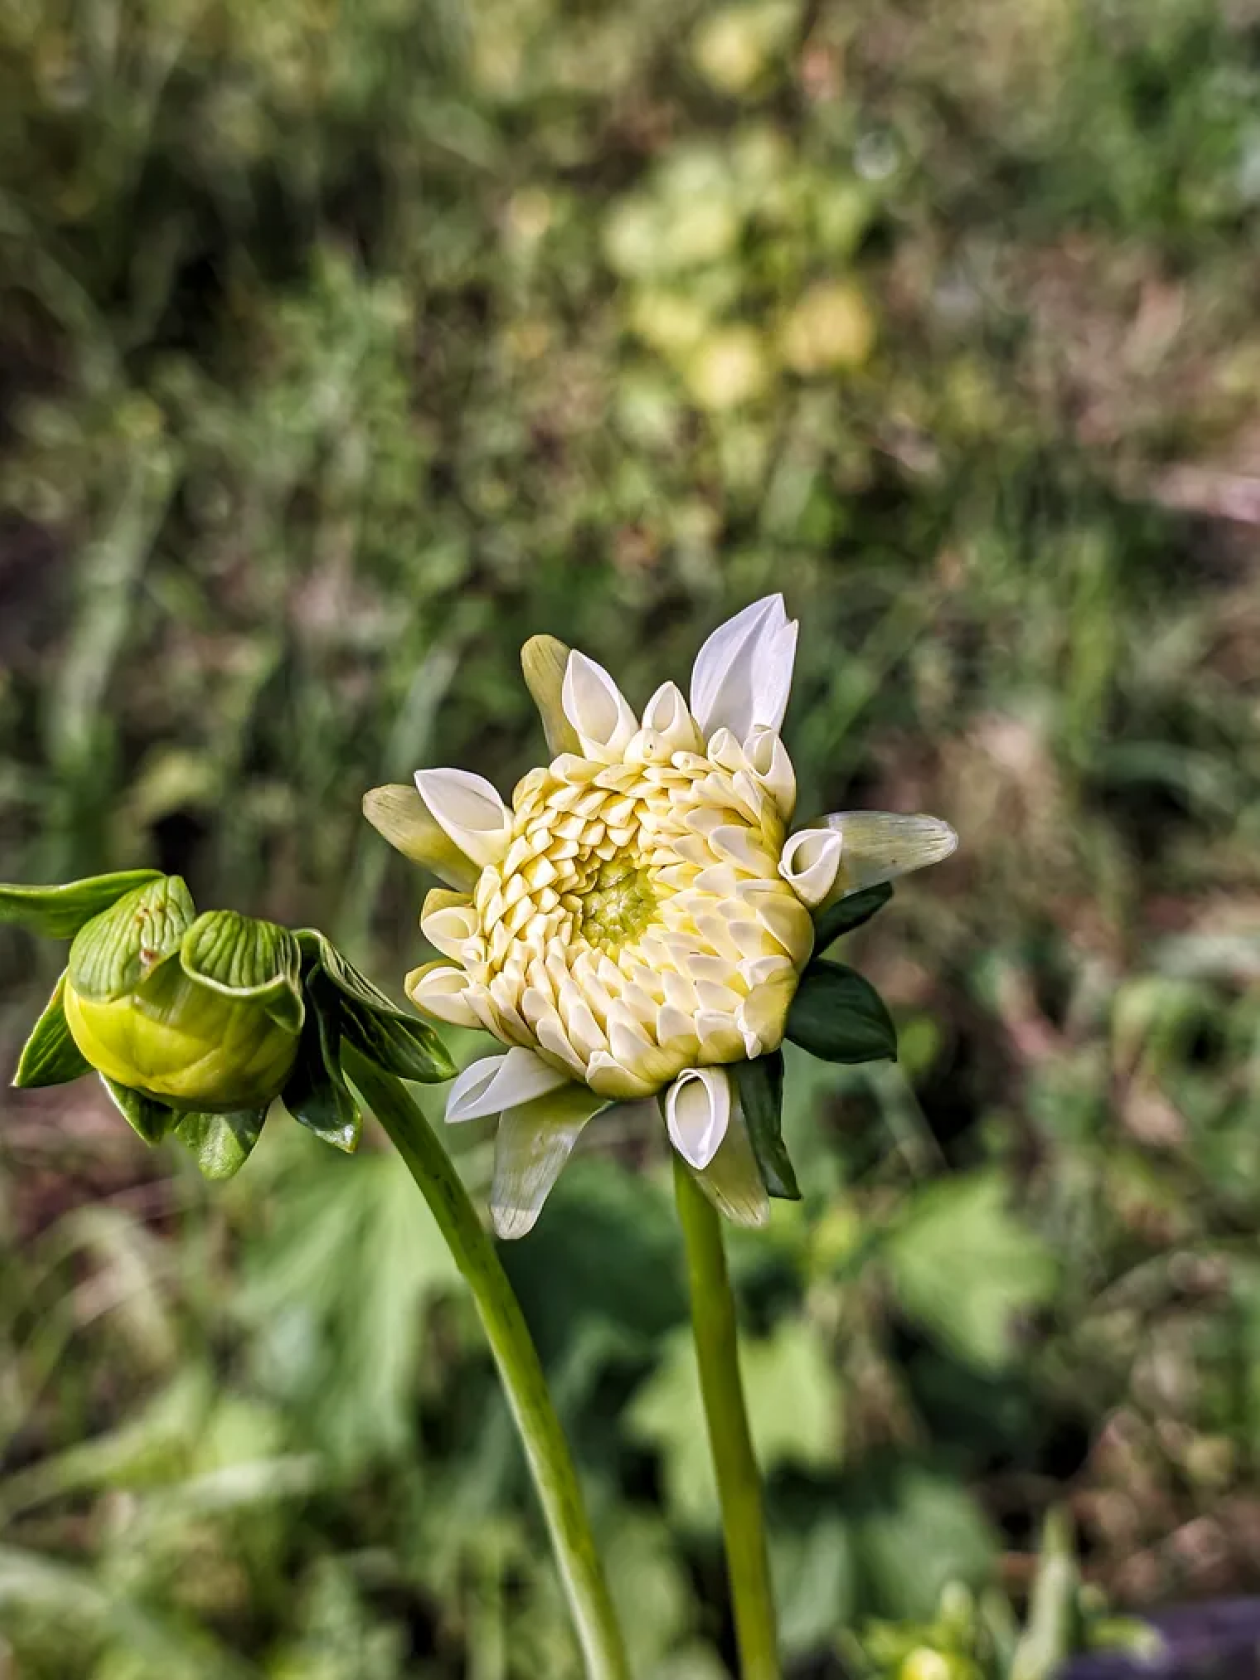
x=196, y=1023
x=201, y=1013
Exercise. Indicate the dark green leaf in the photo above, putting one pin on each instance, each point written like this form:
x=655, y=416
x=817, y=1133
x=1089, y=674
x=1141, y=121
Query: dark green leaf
x=222, y=1143
x=59, y=912
x=50, y=1056
x=760, y=1086
x=840, y=1017
x=317, y=1095
x=401, y=1044
x=848, y=913
x=246, y=958
x=150, y=1118
x=123, y=945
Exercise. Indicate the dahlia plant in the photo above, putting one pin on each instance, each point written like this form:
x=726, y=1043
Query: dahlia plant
x=641, y=921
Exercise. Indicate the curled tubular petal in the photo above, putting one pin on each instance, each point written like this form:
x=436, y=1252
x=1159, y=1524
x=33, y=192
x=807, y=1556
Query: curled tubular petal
x=441, y=990
x=597, y=709
x=697, y=1113
x=769, y=763
x=810, y=862
x=469, y=810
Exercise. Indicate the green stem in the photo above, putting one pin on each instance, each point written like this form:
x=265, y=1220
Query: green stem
x=545, y=1446
x=738, y=1480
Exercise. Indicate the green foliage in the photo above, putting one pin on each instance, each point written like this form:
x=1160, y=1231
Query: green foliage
x=50, y=1056
x=966, y=1268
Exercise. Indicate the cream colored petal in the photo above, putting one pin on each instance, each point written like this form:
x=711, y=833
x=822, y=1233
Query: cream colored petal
x=697, y=1113
x=809, y=863
x=732, y=1181
x=498, y=1083
x=607, y=1076
x=470, y=811
x=531, y=1146
x=880, y=845
x=769, y=762
x=597, y=709
x=543, y=660
x=667, y=716
x=448, y=921
x=739, y=846
x=399, y=815
x=743, y=673
x=786, y=919
x=441, y=991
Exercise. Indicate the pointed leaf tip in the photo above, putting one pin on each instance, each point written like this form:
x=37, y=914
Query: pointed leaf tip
x=840, y=1017
x=58, y=912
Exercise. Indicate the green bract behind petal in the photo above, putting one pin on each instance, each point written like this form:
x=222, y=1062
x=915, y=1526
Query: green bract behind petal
x=50, y=1056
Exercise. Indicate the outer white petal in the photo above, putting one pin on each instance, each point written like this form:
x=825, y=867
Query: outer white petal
x=743, y=673
x=469, y=809
x=500, y=1082
x=531, y=1146
x=810, y=862
x=880, y=845
x=697, y=1113
x=597, y=709
x=768, y=761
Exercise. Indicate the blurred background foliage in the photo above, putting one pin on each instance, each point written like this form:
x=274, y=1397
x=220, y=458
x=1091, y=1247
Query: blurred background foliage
x=342, y=346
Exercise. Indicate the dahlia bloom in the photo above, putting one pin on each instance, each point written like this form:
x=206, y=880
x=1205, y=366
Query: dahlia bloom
x=637, y=922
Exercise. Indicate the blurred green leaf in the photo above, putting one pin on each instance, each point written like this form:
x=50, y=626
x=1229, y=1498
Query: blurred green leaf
x=965, y=1267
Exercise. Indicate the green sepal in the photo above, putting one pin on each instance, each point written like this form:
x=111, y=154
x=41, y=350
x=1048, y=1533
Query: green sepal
x=760, y=1087
x=59, y=912
x=848, y=913
x=839, y=1017
x=150, y=1119
x=316, y=1094
x=222, y=1143
x=50, y=1056
x=402, y=1044
x=246, y=958
x=123, y=945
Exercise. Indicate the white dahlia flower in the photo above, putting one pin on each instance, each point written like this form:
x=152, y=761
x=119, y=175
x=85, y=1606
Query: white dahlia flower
x=638, y=921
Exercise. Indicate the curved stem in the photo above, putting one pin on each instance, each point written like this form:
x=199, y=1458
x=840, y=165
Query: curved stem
x=545, y=1446
x=738, y=1480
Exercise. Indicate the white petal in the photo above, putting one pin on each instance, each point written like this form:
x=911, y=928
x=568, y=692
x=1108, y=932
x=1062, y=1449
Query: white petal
x=448, y=921
x=697, y=1113
x=668, y=727
x=810, y=862
x=769, y=762
x=880, y=845
x=470, y=811
x=597, y=709
x=743, y=672
x=531, y=1146
x=441, y=993
x=500, y=1082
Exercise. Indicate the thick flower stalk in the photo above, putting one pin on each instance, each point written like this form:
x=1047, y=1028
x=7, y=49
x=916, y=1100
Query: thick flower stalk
x=639, y=922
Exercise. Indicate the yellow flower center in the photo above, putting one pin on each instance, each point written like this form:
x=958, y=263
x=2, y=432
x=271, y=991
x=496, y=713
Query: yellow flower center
x=637, y=925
